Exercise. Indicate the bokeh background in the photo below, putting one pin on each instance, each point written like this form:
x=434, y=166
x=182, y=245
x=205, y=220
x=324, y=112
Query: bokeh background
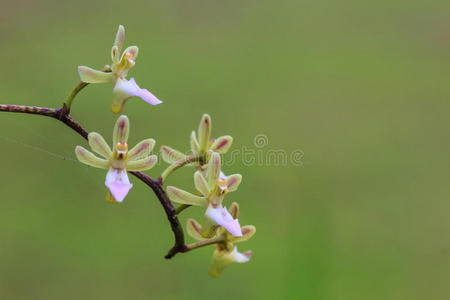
x=361, y=88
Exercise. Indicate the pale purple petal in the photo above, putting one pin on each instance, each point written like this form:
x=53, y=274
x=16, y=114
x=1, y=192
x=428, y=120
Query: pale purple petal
x=125, y=89
x=221, y=216
x=144, y=94
x=118, y=183
x=239, y=257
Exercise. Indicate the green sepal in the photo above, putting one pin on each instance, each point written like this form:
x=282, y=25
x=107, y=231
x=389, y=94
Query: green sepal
x=233, y=182
x=204, y=132
x=170, y=155
x=194, y=229
x=234, y=210
x=90, y=75
x=99, y=145
x=88, y=158
x=142, y=164
x=195, y=147
x=222, y=144
x=121, y=130
x=142, y=149
x=214, y=166
x=201, y=184
x=247, y=232
x=179, y=196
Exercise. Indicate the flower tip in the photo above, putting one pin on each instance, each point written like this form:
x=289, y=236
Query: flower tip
x=248, y=253
x=116, y=109
x=144, y=94
x=235, y=228
x=119, y=190
x=123, y=119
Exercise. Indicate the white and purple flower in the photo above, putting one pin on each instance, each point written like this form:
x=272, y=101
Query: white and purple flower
x=226, y=252
x=119, y=160
x=123, y=89
x=203, y=146
x=213, y=189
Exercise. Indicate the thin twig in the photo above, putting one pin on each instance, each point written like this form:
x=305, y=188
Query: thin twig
x=62, y=115
x=81, y=85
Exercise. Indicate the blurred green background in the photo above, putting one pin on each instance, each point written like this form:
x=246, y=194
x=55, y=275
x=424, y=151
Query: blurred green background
x=361, y=88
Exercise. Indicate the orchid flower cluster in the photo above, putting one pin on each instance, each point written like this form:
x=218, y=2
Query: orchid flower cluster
x=220, y=226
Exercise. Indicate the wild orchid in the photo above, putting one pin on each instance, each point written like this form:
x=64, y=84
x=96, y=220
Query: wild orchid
x=119, y=160
x=225, y=252
x=220, y=226
x=201, y=147
x=213, y=189
x=121, y=64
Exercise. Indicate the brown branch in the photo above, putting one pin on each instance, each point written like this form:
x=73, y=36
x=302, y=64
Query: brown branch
x=62, y=114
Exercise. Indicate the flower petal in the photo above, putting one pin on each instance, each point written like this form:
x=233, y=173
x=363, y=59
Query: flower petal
x=120, y=36
x=234, y=210
x=99, y=145
x=142, y=149
x=124, y=90
x=195, y=147
x=115, y=54
x=142, y=164
x=170, y=155
x=118, y=183
x=121, y=130
x=131, y=53
x=183, y=197
x=223, y=258
x=194, y=229
x=201, y=184
x=233, y=182
x=213, y=170
x=88, y=158
x=221, y=216
x=204, y=132
x=247, y=232
x=222, y=144
x=89, y=75
x=145, y=95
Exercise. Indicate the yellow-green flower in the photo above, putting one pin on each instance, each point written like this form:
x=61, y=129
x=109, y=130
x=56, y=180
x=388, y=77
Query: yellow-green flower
x=225, y=252
x=119, y=160
x=213, y=189
x=203, y=146
x=123, y=89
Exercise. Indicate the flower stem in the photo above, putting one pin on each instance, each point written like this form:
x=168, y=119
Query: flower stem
x=81, y=85
x=180, y=163
x=219, y=239
x=180, y=208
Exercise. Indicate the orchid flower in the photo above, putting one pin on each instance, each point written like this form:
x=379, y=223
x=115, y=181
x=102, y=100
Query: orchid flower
x=121, y=64
x=119, y=160
x=213, y=190
x=225, y=252
x=201, y=147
